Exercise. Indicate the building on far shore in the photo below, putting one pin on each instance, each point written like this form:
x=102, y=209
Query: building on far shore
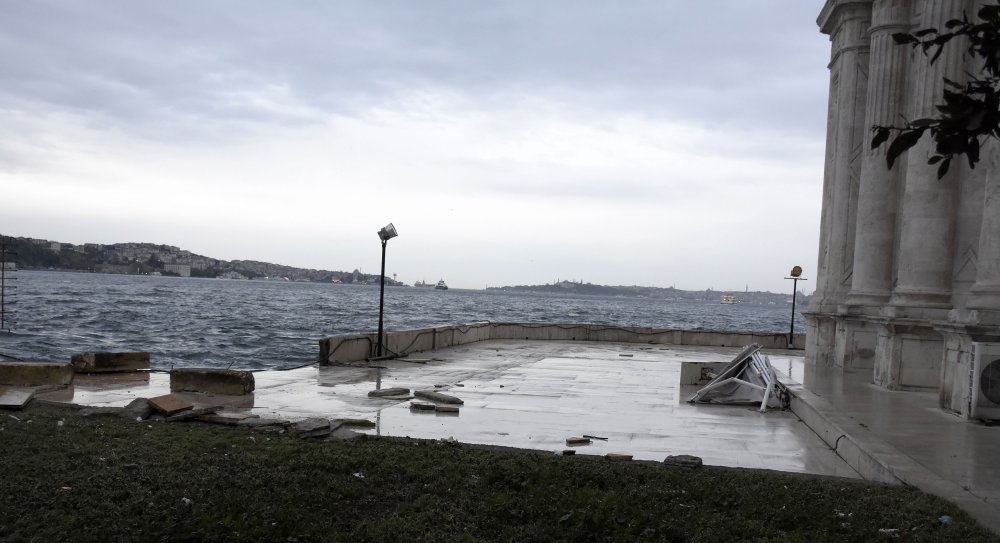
x=909, y=265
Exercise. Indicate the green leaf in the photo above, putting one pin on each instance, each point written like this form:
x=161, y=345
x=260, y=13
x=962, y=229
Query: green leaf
x=943, y=169
x=902, y=38
x=902, y=143
x=935, y=159
x=925, y=32
x=881, y=135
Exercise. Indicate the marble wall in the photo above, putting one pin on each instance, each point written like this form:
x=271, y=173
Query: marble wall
x=909, y=265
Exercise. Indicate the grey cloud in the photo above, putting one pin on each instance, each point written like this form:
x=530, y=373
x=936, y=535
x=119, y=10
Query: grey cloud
x=143, y=63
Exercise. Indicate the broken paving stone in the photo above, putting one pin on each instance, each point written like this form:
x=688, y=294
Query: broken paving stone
x=382, y=393
x=192, y=413
x=568, y=452
x=437, y=397
x=168, y=404
x=446, y=408
x=361, y=423
x=227, y=418
x=15, y=398
x=261, y=423
x=404, y=398
x=684, y=460
x=618, y=457
x=420, y=406
x=313, y=427
x=574, y=441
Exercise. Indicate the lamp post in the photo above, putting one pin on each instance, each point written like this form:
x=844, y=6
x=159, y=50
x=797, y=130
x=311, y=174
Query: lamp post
x=385, y=234
x=795, y=273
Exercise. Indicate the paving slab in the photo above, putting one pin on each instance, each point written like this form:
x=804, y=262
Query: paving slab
x=532, y=394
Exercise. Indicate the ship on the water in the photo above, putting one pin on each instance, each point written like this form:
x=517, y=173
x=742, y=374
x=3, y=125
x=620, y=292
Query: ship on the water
x=440, y=285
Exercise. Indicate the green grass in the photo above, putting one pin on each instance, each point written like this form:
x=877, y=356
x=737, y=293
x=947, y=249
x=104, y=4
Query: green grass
x=110, y=479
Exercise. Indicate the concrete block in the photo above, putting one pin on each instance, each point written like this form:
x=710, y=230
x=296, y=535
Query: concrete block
x=138, y=408
x=683, y=460
x=212, y=381
x=169, y=404
x=33, y=373
x=574, y=441
x=110, y=362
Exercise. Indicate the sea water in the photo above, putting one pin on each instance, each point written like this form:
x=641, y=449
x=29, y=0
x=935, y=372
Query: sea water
x=275, y=324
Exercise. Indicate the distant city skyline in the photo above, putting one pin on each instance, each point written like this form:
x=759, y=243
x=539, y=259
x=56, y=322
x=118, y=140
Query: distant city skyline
x=635, y=143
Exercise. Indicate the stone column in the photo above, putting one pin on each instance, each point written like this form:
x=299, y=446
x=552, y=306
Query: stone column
x=871, y=283
x=926, y=252
x=986, y=290
x=847, y=23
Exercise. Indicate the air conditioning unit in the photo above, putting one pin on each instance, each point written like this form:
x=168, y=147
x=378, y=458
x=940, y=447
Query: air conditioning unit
x=986, y=381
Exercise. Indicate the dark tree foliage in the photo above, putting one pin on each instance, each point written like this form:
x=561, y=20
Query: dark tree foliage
x=970, y=113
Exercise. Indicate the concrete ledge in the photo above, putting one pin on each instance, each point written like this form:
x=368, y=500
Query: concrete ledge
x=212, y=381
x=32, y=373
x=348, y=348
x=876, y=460
x=110, y=362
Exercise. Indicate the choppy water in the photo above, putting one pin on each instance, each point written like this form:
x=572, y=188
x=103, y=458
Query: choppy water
x=262, y=324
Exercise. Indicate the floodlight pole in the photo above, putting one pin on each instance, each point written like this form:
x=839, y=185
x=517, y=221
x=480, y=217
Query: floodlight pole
x=385, y=234
x=381, y=302
x=791, y=327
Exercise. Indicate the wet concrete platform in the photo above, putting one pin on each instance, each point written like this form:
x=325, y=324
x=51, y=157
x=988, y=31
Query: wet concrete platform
x=907, y=436
x=529, y=394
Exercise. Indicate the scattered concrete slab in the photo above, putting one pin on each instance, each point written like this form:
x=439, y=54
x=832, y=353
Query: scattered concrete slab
x=192, y=414
x=446, y=408
x=15, y=398
x=683, y=460
x=33, y=373
x=577, y=441
x=228, y=418
x=569, y=452
x=404, y=398
x=108, y=362
x=383, y=392
x=437, y=397
x=618, y=457
x=212, y=381
x=259, y=423
x=169, y=404
x=312, y=427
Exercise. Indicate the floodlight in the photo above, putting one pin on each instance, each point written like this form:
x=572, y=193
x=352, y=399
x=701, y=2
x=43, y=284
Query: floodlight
x=387, y=232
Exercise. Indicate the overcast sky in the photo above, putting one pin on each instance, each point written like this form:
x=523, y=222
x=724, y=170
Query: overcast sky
x=663, y=143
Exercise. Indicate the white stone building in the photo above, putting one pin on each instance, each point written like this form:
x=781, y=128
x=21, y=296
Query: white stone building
x=909, y=265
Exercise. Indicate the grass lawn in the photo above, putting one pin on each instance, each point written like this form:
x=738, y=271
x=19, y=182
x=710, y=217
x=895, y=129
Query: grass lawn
x=110, y=479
